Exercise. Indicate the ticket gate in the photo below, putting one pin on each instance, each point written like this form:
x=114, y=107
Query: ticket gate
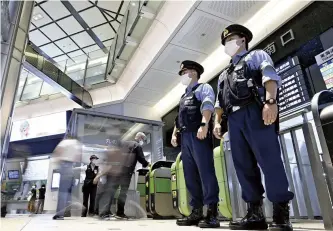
x=158, y=191
x=224, y=204
x=141, y=187
x=180, y=195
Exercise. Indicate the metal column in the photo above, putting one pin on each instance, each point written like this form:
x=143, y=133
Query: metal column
x=14, y=39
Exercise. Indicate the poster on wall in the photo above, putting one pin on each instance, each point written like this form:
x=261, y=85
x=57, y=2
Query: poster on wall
x=39, y=126
x=325, y=62
x=55, y=180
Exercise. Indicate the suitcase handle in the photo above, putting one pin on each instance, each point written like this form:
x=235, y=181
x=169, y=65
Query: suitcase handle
x=160, y=164
x=142, y=172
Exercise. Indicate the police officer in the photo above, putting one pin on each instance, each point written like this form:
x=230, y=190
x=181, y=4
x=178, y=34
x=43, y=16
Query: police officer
x=247, y=95
x=196, y=108
x=89, y=188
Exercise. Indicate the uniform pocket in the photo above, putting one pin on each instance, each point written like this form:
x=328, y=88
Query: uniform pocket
x=242, y=89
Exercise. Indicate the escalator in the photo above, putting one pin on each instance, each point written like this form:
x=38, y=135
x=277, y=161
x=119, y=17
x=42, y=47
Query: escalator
x=47, y=71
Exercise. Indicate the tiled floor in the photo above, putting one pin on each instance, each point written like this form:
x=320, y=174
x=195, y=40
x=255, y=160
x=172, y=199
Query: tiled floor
x=45, y=223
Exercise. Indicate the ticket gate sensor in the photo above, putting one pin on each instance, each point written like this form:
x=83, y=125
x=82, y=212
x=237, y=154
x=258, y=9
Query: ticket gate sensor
x=322, y=110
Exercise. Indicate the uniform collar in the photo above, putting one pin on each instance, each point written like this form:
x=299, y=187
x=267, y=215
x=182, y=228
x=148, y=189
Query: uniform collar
x=190, y=87
x=238, y=56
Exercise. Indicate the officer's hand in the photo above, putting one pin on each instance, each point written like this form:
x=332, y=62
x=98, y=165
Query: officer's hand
x=269, y=113
x=174, y=141
x=202, y=132
x=95, y=180
x=217, y=131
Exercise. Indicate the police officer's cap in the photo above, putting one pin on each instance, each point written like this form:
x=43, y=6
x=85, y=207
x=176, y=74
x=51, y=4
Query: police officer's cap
x=94, y=157
x=188, y=64
x=236, y=29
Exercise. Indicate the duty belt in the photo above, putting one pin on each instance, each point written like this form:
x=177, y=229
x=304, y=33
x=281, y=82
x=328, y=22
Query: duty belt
x=236, y=108
x=185, y=129
x=182, y=129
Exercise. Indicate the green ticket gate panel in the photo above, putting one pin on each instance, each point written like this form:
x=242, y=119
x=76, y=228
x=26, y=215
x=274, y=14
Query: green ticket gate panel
x=159, y=191
x=221, y=175
x=180, y=196
x=141, y=187
x=183, y=195
x=174, y=186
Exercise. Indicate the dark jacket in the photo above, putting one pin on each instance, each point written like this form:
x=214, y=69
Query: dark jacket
x=42, y=193
x=133, y=147
x=34, y=194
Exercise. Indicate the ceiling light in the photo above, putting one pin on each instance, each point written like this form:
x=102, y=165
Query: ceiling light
x=217, y=60
x=37, y=17
x=133, y=3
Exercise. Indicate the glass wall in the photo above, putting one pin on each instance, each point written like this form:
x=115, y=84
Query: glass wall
x=99, y=131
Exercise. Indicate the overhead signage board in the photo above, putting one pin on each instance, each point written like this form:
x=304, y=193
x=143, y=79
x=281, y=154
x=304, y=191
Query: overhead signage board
x=39, y=126
x=325, y=63
x=293, y=92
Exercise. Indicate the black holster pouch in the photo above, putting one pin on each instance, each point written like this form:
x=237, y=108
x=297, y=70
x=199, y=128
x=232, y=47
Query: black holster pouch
x=224, y=124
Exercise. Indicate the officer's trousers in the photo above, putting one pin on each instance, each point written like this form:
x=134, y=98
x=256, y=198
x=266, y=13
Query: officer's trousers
x=89, y=192
x=199, y=171
x=252, y=143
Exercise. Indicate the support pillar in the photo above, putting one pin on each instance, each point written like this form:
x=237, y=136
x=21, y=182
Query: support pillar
x=15, y=22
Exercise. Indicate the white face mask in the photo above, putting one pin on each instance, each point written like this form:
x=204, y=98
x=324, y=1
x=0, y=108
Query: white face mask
x=141, y=142
x=186, y=79
x=231, y=47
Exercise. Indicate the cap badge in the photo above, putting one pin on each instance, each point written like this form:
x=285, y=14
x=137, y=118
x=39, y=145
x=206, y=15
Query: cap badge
x=225, y=32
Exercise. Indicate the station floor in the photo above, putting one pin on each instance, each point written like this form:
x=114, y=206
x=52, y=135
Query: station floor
x=45, y=223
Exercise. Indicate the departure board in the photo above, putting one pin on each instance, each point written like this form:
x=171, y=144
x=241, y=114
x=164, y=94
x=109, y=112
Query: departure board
x=325, y=63
x=293, y=92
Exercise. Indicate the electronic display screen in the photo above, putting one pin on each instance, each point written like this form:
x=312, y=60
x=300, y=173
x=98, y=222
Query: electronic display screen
x=325, y=64
x=293, y=92
x=326, y=70
x=13, y=174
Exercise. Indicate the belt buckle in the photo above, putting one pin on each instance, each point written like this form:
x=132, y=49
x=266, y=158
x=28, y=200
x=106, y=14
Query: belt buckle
x=235, y=108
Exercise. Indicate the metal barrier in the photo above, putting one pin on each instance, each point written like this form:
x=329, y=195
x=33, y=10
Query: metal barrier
x=322, y=110
x=304, y=170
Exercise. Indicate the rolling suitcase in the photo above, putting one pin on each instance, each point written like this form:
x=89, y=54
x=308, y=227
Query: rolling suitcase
x=158, y=190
